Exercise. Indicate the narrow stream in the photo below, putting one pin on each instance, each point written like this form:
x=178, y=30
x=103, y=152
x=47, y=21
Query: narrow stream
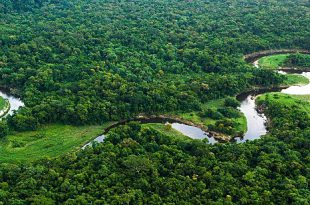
x=255, y=121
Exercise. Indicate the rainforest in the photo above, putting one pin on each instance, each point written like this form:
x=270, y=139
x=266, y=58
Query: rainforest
x=154, y=102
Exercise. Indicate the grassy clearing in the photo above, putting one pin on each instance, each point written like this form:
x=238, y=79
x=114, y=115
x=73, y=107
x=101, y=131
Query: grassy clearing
x=276, y=61
x=273, y=61
x=302, y=102
x=167, y=131
x=303, y=97
x=49, y=141
x=295, y=79
x=214, y=105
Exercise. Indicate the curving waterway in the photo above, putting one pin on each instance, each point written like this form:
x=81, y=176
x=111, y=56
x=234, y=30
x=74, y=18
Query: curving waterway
x=256, y=122
x=187, y=130
x=299, y=90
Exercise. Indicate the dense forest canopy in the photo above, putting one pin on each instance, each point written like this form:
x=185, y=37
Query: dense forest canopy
x=139, y=165
x=92, y=61
x=301, y=61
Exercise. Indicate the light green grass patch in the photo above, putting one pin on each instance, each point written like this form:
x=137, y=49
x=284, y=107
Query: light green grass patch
x=49, y=141
x=167, y=131
x=295, y=79
x=289, y=100
x=3, y=103
x=303, y=97
x=273, y=61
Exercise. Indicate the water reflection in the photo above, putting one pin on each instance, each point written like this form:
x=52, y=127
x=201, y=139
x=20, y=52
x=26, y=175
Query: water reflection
x=193, y=132
x=255, y=121
x=99, y=139
x=299, y=90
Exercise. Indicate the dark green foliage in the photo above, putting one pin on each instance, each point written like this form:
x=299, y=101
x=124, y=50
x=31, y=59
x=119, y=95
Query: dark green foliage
x=23, y=120
x=298, y=60
x=213, y=114
x=226, y=126
x=267, y=78
x=85, y=62
x=137, y=165
x=4, y=128
x=229, y=112
x=231, y=102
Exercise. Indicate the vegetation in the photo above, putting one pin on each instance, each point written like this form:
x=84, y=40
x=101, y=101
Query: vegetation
x=285, y=60
x=285, y=101
x=138, y=165
x=167, y=131
x=3, y=103
x=298, y=60
x=78, y=65
x=273, y=61
x=303, y=97
x=225, y=109
x=295, y=79
x=47, y=142
x=84, y=62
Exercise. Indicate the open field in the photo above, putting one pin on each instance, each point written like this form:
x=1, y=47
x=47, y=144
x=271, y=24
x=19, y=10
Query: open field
x=49, y=141
x=273, y=61
x=295, y=79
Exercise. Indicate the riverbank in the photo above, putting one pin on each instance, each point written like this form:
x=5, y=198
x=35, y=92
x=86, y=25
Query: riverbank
x=256, y=120
x=250, y=58
x=283, y=100
x=170, y=119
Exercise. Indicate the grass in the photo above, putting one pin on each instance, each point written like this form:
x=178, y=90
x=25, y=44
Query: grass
x=273, y=61
x=168, y=131
x=300, y=101
x=276, y=61
x=303, y=97
x=214, y=105
x=3, y=103
x=295, y=79
x=49, y=141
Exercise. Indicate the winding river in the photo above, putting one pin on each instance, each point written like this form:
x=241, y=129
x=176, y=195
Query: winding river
x=256, y=122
